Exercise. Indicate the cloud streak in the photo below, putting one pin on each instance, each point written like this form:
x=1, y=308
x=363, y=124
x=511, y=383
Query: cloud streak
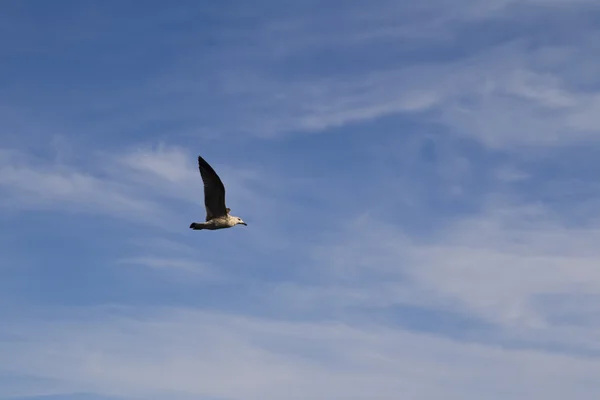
x=186, y=353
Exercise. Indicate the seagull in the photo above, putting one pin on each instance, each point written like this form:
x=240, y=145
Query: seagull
x=217, y=214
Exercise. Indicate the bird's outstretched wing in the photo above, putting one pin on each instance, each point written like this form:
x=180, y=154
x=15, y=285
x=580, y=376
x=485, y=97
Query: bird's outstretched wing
x=214, y=191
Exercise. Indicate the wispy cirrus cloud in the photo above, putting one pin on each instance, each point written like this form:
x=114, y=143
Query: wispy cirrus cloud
x=499, y=89
x=128, y=355
x=31, y=183
x=495, y=71
x=508, y=267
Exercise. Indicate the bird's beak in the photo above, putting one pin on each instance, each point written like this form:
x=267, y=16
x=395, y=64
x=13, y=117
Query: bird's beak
x=245, y=224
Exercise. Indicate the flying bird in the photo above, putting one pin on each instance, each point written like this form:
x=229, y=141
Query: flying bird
x=217, y=214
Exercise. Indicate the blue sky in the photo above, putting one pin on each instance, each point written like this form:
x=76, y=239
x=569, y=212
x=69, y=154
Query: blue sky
x=419, y=182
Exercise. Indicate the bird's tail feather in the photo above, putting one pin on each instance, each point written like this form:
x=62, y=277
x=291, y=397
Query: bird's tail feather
x=196, y=226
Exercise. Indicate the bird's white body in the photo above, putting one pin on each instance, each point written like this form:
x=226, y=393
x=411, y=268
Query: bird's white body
x=227, y=221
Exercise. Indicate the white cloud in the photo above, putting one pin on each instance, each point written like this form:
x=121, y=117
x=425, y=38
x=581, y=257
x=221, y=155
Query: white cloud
x=499, y=265
x=170, y=163
x=511, y=174
x=495, y=97
x=29, y=183
x=507, y=266
x=179, y=353
x=505, y=87
x=507, y=93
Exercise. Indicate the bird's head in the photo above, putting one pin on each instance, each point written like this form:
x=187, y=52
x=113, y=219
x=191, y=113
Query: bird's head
x=239, y=221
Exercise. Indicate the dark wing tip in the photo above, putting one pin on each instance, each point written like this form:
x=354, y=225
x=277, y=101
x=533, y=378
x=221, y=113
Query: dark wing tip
x=202, y=164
